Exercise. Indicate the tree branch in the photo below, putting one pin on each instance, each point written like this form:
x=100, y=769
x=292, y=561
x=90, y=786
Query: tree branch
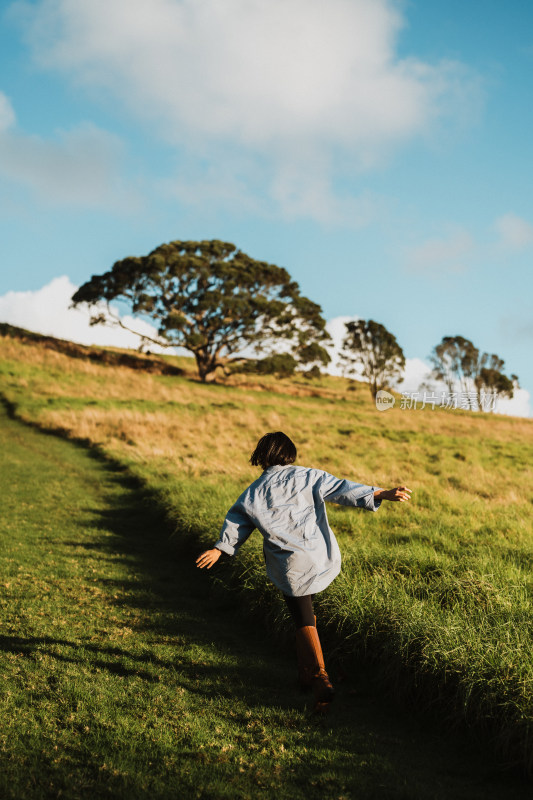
x=115, y=320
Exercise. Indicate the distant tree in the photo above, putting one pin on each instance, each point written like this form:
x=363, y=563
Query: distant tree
x=210, y=298
x=370, y=346
x=491, y=382
x=454, y=362
x=458, y=363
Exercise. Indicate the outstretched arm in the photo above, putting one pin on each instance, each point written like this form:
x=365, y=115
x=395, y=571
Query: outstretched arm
x=348, y=493
x=335, y=490
x=236, y=529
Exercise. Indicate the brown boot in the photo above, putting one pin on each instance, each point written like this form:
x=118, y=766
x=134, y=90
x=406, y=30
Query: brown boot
x=311, y=668
x=305, y=673
x=306, y=669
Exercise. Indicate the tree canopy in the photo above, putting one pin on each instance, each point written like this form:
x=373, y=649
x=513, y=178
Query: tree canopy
x=212, y=299
x=454, y=360
x=370, y=346
x=459, y=363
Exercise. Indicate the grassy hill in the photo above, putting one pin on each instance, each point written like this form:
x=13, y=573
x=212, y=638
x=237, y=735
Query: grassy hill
x=126, y=674
x=437, y=594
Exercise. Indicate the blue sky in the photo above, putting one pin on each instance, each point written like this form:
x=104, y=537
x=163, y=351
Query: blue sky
x=380, y=151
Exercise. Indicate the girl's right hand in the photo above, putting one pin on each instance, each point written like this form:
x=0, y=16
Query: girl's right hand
x=208, y=558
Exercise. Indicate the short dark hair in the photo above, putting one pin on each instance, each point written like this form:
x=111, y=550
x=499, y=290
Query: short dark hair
x=273, y=448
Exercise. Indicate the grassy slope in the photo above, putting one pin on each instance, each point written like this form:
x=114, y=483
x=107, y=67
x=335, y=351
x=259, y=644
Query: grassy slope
x=123, y=676
x=438, y=592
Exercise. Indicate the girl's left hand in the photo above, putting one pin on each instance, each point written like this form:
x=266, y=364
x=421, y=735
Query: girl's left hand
x=208, y=558
x=399, y=495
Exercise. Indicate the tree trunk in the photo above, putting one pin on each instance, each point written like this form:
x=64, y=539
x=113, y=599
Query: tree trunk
x=203, y=366
x=206, y=364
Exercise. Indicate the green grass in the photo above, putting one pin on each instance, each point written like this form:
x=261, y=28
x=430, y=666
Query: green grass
x=125, y=675
x=436, y=595
x=443, y=613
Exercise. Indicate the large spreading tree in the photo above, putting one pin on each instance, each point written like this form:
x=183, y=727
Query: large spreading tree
x=370, y=350
x=212, y=299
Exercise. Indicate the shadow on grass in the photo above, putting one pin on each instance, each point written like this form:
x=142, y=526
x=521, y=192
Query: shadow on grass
x=181, y=605
x=114, y=660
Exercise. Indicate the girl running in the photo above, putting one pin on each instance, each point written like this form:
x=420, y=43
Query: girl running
x=286, y=504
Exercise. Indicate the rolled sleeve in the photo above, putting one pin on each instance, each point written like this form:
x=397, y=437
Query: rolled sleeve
x=348, y=493
x=371, y=503
x=225, y=548
x=235, y=530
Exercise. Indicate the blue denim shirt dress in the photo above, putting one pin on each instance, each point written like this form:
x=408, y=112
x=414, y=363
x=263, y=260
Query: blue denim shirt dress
x=287, y=505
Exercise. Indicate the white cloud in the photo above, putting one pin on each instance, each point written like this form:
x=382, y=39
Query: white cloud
x=415, y=373
x=441, y=256
x=298, y=193
x=518, y=406
x=47, y=311
x=336, y=328
x=78, y=167
x=515, y=233
x=237, y=183
x=315, y=88
x=456, y=249
x=7, y=115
